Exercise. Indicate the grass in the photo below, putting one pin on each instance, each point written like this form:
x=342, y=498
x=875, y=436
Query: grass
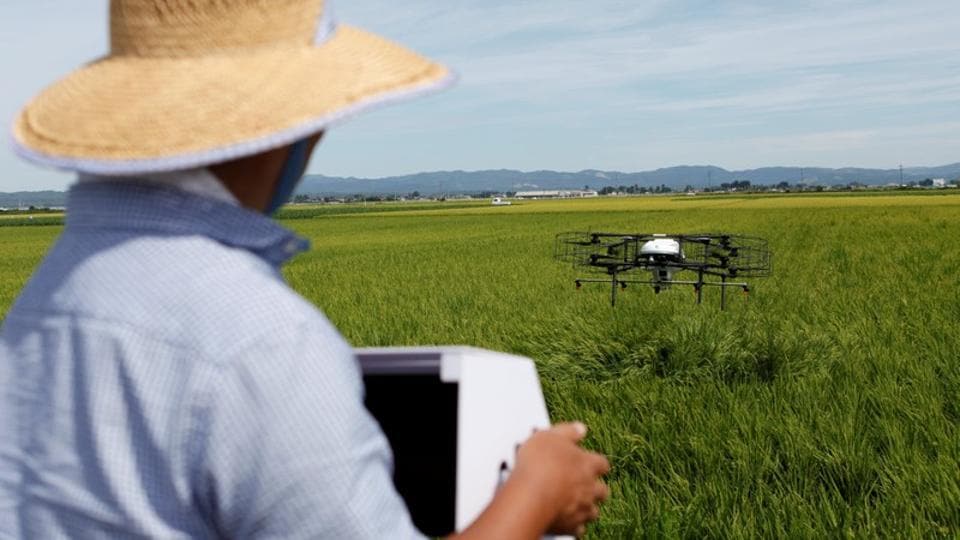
x=825, y=405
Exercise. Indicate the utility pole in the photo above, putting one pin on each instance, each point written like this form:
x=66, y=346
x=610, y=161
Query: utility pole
x=901, y=174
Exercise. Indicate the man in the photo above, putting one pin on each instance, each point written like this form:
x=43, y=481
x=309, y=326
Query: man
x=157, y=377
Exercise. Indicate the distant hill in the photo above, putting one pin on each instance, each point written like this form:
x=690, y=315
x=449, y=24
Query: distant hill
x=503, y=180
x=26, y=199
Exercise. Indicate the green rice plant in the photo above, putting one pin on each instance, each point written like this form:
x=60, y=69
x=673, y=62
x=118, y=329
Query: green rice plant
x=825, y=404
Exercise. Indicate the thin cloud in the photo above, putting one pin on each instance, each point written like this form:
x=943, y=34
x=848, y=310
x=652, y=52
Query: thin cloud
x=609, y=84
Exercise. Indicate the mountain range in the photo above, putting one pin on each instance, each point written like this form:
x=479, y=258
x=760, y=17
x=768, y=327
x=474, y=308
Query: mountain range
x=505, y=180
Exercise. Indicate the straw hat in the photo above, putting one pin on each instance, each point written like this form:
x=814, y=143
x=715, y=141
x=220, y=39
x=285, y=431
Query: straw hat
x=189, y=83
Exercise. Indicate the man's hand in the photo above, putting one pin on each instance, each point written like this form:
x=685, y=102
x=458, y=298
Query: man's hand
x=566, y=476
x=554, y=488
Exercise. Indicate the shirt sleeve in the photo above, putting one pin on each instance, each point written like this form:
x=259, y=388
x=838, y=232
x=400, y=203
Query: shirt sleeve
x=290, y=450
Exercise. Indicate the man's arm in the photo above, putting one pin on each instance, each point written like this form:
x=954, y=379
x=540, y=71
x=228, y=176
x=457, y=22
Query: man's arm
x=291, y=451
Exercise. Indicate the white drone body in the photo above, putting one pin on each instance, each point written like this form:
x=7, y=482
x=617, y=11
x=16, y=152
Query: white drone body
x=662, y=250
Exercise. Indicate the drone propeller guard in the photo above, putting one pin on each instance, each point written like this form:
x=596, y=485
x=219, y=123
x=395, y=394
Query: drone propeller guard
x=714, y=258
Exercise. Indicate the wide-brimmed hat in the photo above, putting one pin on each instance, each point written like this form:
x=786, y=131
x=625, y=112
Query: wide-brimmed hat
x=188, y=83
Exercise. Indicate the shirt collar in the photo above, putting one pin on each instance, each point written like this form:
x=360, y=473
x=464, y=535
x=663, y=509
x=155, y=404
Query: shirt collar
x=197, y=181
x=155, y=208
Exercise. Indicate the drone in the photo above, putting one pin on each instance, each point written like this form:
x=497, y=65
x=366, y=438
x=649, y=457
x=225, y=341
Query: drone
x=710, y=260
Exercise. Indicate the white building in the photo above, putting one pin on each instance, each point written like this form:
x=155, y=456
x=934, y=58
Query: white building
x=557, y=194
x=939, y=182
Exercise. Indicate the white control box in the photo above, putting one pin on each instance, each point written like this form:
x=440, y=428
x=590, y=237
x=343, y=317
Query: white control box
x=454, y=417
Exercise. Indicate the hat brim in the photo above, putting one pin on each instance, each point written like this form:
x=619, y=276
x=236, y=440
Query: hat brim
x=124, y=115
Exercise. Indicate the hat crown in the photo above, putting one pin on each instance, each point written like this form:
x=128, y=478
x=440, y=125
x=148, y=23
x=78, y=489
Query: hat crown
x=185, y=28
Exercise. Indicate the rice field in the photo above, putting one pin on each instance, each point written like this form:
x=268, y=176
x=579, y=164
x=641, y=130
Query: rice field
x=825, y=404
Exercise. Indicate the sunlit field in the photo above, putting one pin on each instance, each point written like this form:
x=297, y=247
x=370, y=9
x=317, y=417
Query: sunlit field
x=825, y=404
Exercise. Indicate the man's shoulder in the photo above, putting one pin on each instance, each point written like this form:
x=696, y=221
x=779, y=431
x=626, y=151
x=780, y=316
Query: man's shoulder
x=212, y=295
x=189, y=289
x=235, y=297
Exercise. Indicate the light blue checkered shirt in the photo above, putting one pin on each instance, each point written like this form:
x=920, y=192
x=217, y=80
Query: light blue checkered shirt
x=159, y=379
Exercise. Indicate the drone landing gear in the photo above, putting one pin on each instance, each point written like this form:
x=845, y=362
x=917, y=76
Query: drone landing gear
x=659, y=286
x=723, y=293
x=614, y=282
x=699, y=288
x=613, y=289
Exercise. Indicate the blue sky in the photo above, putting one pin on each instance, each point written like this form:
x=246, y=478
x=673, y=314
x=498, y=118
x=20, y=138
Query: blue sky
x=605, y=84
